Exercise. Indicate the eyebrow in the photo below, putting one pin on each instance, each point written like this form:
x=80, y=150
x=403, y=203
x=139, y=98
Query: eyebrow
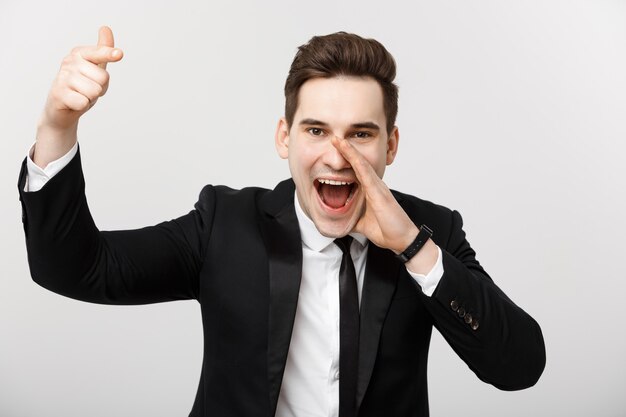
x=360, y=125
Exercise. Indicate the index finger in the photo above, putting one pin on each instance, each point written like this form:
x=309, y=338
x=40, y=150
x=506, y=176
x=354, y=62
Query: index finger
x=99, y=55
x=362, y=168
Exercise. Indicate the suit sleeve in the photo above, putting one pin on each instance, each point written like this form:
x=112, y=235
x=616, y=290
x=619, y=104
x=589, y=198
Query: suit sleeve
x=499, y=341
x=67, y=253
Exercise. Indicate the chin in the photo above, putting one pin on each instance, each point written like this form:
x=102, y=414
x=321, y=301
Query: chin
x=334, y=231
x=339, y=226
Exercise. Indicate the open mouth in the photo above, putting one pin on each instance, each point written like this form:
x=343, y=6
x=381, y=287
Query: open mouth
x=335, y=194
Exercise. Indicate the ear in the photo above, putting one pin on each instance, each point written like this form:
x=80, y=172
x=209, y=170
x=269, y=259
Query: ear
x=282, y=138
x=392, y=145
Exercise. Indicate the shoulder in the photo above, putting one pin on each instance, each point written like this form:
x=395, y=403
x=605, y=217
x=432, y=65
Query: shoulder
x=416, y=206
x=224, y=191
x=213, y=196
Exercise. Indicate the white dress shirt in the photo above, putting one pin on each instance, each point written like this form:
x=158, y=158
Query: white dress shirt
x=310, y=386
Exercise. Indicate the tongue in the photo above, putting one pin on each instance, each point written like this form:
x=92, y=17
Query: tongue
x=335, y=196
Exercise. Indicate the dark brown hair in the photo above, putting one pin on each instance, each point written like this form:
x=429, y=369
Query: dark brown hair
x=339, y=54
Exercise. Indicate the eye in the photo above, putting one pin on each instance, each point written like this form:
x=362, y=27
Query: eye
x=362, y=135
x=315, y=131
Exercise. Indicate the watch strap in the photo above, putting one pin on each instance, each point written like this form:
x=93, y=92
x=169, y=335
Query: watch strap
x=422, y=237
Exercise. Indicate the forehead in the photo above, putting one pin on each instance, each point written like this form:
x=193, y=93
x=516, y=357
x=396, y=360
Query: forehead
x=341, y=100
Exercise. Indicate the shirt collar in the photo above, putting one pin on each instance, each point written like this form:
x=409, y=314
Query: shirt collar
x=312, y=237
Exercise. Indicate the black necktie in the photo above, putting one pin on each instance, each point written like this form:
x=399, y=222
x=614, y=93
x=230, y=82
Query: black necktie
x=348, y=331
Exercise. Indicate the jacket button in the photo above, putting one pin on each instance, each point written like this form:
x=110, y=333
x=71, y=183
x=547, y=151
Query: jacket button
x=454, y=305
x=468, y=318
x=461, y=312
x=474, y=324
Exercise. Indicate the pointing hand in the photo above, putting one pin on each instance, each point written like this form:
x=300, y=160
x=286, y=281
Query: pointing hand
x=82, y=78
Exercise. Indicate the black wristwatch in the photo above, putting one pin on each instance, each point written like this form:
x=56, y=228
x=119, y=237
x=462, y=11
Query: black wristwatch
x=419, y=242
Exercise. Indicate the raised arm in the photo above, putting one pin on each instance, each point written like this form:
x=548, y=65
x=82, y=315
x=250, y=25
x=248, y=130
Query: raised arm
x=67, y=253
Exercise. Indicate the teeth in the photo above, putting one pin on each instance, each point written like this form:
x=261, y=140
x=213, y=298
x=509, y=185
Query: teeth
x=333, y=182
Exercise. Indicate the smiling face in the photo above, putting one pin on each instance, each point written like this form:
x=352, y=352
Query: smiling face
x=327, y=187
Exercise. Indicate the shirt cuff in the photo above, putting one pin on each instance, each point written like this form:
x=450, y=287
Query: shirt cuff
x=429, y=282
x=37, y=177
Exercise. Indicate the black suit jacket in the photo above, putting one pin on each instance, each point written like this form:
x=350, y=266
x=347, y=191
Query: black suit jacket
x=239, y=254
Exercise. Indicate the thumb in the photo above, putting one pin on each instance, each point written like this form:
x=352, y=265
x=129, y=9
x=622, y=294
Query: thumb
x=105, y=38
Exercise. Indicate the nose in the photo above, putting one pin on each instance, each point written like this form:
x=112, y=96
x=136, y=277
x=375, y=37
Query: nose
x=333, y=158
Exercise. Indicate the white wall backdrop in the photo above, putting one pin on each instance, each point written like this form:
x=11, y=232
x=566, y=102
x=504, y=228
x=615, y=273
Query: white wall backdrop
x=516, y=111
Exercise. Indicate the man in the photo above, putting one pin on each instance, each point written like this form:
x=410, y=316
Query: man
x=298, y=318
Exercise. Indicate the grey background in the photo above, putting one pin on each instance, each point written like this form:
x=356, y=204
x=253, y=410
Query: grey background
x=511, y=112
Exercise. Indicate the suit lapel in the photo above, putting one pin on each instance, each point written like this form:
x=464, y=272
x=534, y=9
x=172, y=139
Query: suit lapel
x=281, y=233
x=381, y=276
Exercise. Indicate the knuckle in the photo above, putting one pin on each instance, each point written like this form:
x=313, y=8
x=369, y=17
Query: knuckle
x=67, y=60
x=66, y=83
x=64, y=73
